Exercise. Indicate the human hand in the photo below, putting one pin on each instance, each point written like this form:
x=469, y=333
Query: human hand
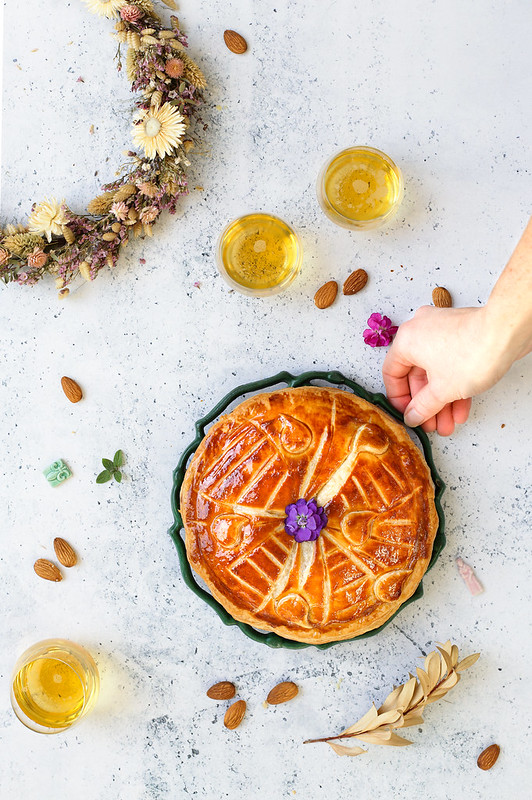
x=439, y=359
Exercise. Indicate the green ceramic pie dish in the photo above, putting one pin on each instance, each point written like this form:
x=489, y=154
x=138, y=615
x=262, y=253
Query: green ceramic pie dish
x=285, y=379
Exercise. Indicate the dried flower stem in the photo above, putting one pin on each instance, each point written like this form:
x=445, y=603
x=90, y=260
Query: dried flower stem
x=403, y=706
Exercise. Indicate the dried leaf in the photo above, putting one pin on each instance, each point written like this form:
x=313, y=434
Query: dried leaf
x=454, y=655
x=433, y=664
x=407, y=692
x=380, y=736
x=413, y=718
x=390, y=701
x=363, y=723
x=418, y=696
x=447, y=658
x=424, y=681
x=397, y=741
x=467, y=662
x=388, y=718
x=342, y=750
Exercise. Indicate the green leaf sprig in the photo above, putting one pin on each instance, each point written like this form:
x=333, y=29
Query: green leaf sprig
x=112, y=468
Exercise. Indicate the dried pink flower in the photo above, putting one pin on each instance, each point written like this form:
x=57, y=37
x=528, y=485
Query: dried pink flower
x=149, y=214
x=4, y=256
x=120, y=210
x=380, y=332
x=147, y=189
x=131, y=13
x=38, y=258
x=174, y=68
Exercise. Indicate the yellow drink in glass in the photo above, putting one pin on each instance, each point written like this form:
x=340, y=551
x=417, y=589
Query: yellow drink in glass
x=258, y=254
x=360, y=188
x=55, y=684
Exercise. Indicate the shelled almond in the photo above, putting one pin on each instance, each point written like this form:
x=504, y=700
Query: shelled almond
x=282, y=693
x=441, y=297
x=488, y=757
x=223, y=690
x=71, y=389
x=355, y=282
x=47, y=570
x=235, y=714
x=65, y=552
x=235, y=42
x=326, y=294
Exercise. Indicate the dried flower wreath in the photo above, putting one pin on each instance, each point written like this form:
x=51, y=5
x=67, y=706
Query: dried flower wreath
x=64, y=244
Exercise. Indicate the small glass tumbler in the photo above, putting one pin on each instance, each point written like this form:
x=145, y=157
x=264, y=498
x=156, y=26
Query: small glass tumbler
x=360, y=188
x=55, y=683
x=258, y=254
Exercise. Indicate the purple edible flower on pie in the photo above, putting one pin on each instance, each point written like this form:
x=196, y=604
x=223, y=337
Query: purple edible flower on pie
x=380, y=332
x=304, y=521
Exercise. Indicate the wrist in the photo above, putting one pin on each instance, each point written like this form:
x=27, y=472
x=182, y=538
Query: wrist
x=508, y=329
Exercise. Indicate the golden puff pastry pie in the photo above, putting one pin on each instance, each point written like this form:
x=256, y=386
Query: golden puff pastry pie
x=309, y=512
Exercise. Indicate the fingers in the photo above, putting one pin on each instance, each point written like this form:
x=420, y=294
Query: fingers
x=395, y=375
x=445, y=421
x=423, y=406
x=461, y=409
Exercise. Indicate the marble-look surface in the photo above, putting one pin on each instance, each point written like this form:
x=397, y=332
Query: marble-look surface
x=444, y=88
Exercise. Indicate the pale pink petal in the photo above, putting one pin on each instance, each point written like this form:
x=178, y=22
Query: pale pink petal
x=469, y=577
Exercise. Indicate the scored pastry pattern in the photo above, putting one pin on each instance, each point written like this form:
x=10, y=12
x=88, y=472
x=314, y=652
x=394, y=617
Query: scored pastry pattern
x=253, y=465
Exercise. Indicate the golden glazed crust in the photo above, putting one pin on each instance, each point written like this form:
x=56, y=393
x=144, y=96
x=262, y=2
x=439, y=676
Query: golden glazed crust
x=359, y=464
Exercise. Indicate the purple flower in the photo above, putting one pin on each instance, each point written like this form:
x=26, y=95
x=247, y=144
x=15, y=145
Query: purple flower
x=304, y=521
x=380, y=332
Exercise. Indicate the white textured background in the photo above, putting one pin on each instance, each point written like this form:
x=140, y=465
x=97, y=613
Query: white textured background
x=442, y=86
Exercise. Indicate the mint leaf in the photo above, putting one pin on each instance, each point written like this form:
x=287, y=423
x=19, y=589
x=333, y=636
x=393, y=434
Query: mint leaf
x=103, y=477
x=118, y=476
x=118, y=459
x=108, y=464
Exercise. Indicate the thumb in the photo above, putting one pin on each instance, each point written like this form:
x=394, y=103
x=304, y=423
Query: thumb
x=422, y=407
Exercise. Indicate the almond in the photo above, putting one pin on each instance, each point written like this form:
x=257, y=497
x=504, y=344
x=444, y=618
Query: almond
x=47, y=570
x=235, y=714
x=282, y=693
x=71, y=389
x=235, y=42
x=489, y=756
x=65, y=552
x=355, y=282
x=224, y=690
x=441, y=297
x=326, y=294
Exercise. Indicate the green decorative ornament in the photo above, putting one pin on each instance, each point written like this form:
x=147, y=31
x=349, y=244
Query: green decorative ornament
x=57, y=473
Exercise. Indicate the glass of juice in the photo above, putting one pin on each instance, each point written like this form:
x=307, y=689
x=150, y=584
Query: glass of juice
x=360, y=188
x=258, y=254
x=55, y=684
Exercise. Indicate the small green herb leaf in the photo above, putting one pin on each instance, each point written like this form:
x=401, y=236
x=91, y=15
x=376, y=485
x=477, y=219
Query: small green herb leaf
x=104, y=476
x=118, y=476
x=118, y=459
x=108, y=464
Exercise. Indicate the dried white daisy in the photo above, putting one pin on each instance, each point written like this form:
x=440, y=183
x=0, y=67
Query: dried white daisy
x=105, y=8
x=159, y=130
x=48, y=218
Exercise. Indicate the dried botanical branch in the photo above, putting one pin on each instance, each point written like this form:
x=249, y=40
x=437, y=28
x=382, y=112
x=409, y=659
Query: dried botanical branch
x=404, y=705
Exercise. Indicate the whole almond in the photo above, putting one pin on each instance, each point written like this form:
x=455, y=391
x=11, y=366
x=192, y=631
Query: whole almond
x=326, y=294
x=355, y=282
x=282, y=693
x=235, y=714
x=47, y=570
x=489, y=756
x=71, y=389
x=224, y=690
x=441, y=297
x=235, y=42
x=65, y=552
